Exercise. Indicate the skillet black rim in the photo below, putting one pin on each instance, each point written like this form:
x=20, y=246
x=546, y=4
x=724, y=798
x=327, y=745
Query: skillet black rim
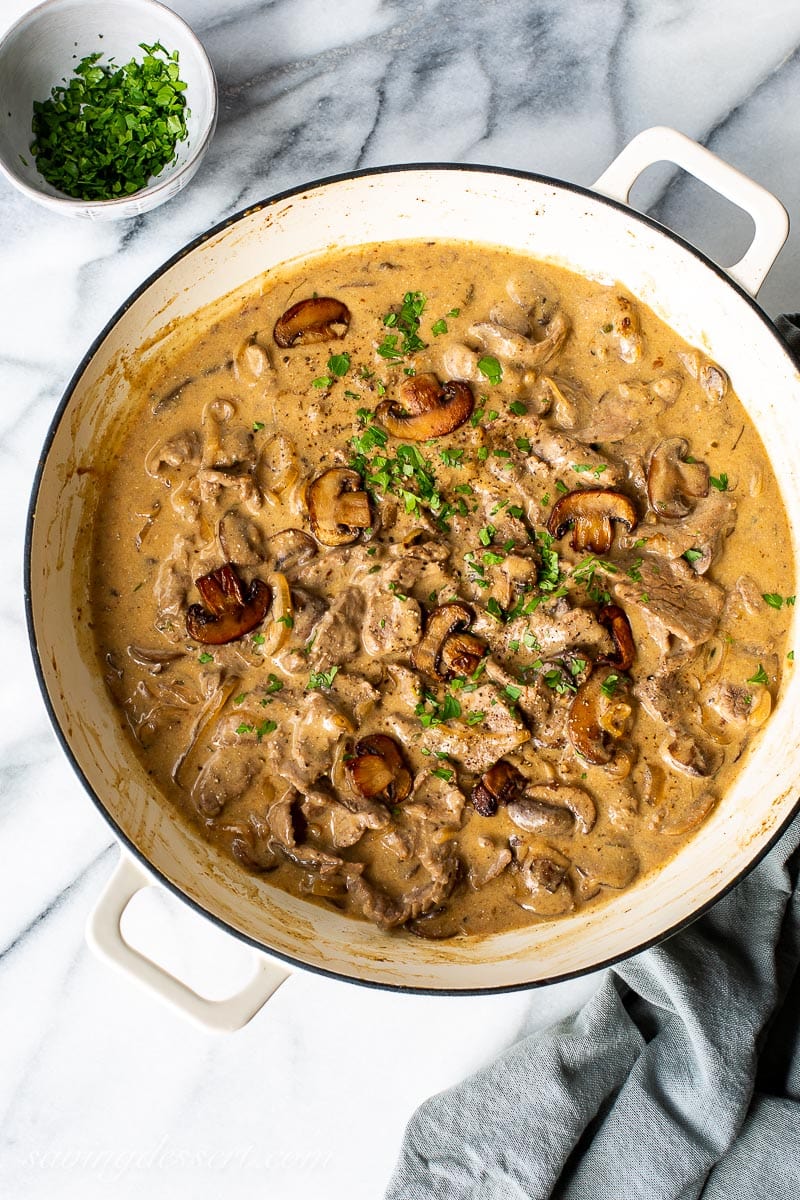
x=132, y=849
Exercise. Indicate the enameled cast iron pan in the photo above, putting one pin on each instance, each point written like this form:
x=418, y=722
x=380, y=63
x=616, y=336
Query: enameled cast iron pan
x=589, y=231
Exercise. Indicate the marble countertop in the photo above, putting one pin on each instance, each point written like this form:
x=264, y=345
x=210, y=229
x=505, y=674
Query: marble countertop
x=103, y=1091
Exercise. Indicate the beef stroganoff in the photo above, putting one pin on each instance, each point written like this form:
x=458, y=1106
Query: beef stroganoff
x=441, y=585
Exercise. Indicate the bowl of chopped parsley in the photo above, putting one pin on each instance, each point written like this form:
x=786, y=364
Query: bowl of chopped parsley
x=107, y=107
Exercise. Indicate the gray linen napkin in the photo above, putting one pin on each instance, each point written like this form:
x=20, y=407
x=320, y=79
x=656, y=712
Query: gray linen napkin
x=679, y=1079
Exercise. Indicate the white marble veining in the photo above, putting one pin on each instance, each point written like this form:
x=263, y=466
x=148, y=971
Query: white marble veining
x=103, y=1092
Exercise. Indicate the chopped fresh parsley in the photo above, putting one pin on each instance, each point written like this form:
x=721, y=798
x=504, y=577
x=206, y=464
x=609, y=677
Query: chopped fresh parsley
x=407, y=322
x=490, y=368
x=439, y=327
x=720, y=482
x=287, y=620
x=493, y=608
x=561, y=683
x=443, y=773
x=322, y=679
x=452, y=458
x=693, y=555
x=258, y=426
x=609, y=685
x=108, y=130
x=322, y=381
x=775, y=600
x=273, y=684
x=549, y=575
x=760, y=676
x=339, y=364
x=205, y=657
x=518, y=408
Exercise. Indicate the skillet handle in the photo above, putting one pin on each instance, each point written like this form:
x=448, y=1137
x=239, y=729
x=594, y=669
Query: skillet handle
x=104, y=935
x=661, y=144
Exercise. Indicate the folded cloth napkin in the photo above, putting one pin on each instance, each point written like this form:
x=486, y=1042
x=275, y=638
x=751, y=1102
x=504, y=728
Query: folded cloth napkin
x=679, y=1079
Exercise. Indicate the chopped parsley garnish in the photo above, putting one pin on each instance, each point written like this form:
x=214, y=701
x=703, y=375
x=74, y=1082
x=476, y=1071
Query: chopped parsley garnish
x=258, y=426
x=108, y=130
x=513, y=691
x=523, y=444
x=775, y=600
x=443, y=773
x=205, y=657
x=475, y=718
x=493, y=608
x=264, y=728
x=518, y=408
x=433, y=712
x=549, y=575
x=584, y=572
x=322, y=679
x=259, y=639
x=452, y=458
x=245, y=728
x=561, y=487
x=486, y=534
x=439, y=327
x=490, y=368
x=371, y=439
x=407, y=475
x=407, y=321
x=322, y=381
x=287, y=620
x=273, y=684
x=339, y=364
x=692, y=556
x=240, y=699
x=609, y=685
x=720, y=482
x=760, y=676
x=559, y=681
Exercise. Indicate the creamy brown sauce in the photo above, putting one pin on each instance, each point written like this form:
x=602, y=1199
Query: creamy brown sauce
x=267, y=741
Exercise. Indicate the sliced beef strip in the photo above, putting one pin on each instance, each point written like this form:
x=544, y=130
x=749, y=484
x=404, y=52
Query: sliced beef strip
x=561, y=452
x=392, y=617
x=337, y=639
x=704, y=529
x=672, y=599
x=440, y=862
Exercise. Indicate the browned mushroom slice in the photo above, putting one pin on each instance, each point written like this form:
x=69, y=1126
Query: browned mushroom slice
x=501, y=784
x=597, y=719
x=291, y=548
x=231, y=610
x=616, y=622
x=590, y=512
x=377, y=770
x=338, y=506
x=426, y=409
x=446, y=620
x=673, y=484
x=462, y=654
x=317, y=319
